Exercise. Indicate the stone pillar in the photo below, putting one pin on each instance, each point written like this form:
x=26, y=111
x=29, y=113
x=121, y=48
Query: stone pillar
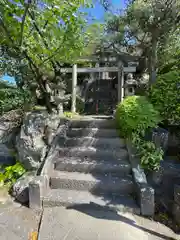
x=120, y=82
x=37, y=189
x=74, y=84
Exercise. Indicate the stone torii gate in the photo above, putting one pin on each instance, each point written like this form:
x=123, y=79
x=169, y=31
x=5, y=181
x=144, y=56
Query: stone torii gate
x=120, y=69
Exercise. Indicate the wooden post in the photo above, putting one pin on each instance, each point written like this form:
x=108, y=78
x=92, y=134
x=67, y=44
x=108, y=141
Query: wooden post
x=74, y=84
x=120, y=82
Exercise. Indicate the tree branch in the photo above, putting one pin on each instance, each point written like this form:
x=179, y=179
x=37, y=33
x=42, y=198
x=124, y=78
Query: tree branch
x=37, y=29
x=41, y=35
x=53, y=55
x=23, y=21
x=6, y=31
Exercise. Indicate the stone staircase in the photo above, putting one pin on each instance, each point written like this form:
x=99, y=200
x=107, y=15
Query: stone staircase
x=92, y=168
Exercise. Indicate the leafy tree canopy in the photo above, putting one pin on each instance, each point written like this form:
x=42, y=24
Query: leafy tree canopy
x=39, y=36
x=144, y=28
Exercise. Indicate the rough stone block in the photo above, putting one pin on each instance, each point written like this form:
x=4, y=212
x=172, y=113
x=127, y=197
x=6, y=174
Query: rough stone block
x=31, y=142
x=36, y=191
x=20, y=188
x=146, y=200
x=176, y=212
x=177, y=194
x=6, y=156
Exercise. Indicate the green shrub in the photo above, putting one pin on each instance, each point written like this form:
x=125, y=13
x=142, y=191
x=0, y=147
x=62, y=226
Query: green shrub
x=136, y=113
x=165, y=96
x=13, y=98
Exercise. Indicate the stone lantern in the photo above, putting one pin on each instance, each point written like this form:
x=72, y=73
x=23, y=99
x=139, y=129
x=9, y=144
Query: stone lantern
x=130, y=85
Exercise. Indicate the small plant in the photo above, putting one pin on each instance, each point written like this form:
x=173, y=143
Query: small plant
x=10, y=174
x=70, y=115
x=149, y=154
x=38, y=108
x=136, y=113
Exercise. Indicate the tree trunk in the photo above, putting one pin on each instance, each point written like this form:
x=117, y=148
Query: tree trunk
x=153, y=61
x=45, y=94
x=48, y=105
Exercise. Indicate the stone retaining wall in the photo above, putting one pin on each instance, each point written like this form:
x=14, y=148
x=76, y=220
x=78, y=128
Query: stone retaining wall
x=166, y=183
x=35, y=144
x=144, y=192
x=39, y=186
x=176, y=203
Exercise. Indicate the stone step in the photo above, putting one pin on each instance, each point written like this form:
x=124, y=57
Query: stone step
x=93, y=123
x=92, y=166
x=92, y=132
x=72, y=198
x=95, y=183
x=91, y=152
x=105, y=143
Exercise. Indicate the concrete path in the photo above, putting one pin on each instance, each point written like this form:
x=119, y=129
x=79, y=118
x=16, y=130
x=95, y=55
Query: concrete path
x=58, y=223
x=17, y=222
x=81, y=224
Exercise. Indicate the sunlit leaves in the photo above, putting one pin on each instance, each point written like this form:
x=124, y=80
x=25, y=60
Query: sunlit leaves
x=53, y=29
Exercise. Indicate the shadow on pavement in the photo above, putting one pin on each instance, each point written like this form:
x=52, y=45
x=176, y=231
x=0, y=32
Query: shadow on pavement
x=100, y=212
x=107, y=213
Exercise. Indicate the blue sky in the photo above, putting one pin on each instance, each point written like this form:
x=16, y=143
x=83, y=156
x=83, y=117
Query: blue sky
x=8, y=78
x=97, y=12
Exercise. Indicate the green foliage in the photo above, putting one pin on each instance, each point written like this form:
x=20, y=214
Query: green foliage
x=51, y=31
x=14, y=98
x=169, y=53
x=10, y=174
x=150, y=156
x=165, y=96
x=42, y=36
x=136, y=113
x=143, y=28
x=134, y=116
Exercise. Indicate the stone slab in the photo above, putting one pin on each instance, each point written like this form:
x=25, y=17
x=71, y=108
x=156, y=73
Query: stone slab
x=92, y=152
x=74, y=164
x=97, y=183
x=92, y=132
x=62, y=197
x=114, y=143
x=90, y=122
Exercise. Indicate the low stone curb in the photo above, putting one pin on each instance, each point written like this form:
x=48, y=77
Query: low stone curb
x=40, y=184
x=176, y=204
x=144, y=192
